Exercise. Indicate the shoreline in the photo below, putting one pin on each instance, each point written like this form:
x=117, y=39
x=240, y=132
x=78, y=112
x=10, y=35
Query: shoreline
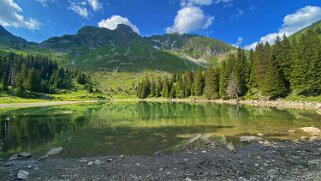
x=280, y=104
x=277, y=161
x=44, y=104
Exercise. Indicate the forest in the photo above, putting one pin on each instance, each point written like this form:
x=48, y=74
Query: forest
x=290, y=66
x=21, y=75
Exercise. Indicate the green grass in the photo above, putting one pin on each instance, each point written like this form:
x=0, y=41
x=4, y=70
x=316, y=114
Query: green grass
x=300, y=98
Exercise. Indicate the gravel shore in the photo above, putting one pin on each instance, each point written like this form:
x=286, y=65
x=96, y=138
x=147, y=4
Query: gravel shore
x=274, y=161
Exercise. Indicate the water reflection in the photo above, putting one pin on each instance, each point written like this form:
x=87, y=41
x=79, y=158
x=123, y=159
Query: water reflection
x=139, y=128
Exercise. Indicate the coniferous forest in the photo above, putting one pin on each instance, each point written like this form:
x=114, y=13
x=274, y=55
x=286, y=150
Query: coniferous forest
x=290, y=66
x=21, y=75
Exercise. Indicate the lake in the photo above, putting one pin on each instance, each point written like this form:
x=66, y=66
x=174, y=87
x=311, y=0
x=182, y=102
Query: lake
x=142, y=128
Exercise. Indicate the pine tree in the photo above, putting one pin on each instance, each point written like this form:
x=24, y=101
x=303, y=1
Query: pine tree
x=188, y=82
x=225, y=74
x=198, y=84
x=305, y=76
x=211, y=89
x=159, y=87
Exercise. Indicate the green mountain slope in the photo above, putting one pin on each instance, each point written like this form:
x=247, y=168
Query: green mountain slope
x=121, y=49
x=315, y=27
x=196, y=47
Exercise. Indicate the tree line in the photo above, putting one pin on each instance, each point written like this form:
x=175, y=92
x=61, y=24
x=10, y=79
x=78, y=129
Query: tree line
x=290, y=66
x=35, y=74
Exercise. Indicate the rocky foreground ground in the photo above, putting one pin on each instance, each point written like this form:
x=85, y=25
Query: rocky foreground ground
x=256, y=161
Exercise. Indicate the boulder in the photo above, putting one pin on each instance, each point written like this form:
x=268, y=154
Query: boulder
x=55, y=151
x=22, y=175
x=20, y=156
x=98, y=162
x=250, y=139
x=230, y=147
x=91, y=163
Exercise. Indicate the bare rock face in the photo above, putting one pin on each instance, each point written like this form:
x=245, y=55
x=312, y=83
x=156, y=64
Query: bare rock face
x=250, y=139
x=312, y=130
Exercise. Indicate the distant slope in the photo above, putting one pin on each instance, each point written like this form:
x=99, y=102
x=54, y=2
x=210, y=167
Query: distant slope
x=194, y=46
x=315, y=27
x=8, y=40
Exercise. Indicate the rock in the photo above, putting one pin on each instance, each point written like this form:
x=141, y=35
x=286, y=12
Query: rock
x=260, y=134
x=109, y=160
x=24, y=155
x=291, y=131
x=8, y=164
x=312, y=130
x=82, y=161
x=204, y=151
x=250, y=139
x=303, y=138
x=91, y=163
x=272, y=173
x=230, y=147
x=20, y=156
x=14, y=157
x=29, y=167
x=44, y=157
x=314, y=163
x=22, y=175
x=266, y=143
x=98, y=162
x=55, y=151
x=188, y=179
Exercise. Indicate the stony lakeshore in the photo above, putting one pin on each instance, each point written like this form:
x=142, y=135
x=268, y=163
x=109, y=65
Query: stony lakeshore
x=259, y=160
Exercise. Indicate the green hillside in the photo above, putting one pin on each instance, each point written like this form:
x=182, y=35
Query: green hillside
x=197, y=47
x=315, y=27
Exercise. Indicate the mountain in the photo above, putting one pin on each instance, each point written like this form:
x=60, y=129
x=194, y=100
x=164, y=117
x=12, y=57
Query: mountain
x=10, y=41
x=93, y=48
x=121, y=49
x=315, y=27
x=194, y=46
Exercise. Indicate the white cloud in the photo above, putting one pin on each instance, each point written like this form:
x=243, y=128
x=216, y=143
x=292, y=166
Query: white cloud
x=226, y=3
x=239, y=42
x=292, y=23
x=95, y=4
x=45, y=3
x=11, y=15
x=189, y=19
x=112, y=23
x=196, y=2
x=82, y=11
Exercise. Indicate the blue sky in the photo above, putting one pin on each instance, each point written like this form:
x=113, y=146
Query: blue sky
x=239, y=22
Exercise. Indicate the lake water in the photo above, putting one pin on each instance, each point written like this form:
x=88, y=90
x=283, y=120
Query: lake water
x=141, y=128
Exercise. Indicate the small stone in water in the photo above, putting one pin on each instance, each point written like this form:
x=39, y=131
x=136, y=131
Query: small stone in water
x=22, y=175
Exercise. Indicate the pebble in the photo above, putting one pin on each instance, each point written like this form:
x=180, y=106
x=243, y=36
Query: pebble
x=230, y=147
x=91, y=163
x=22, y=175
x=109, y=160
x=83, y=161
x=98, y=162
x=204, y=151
